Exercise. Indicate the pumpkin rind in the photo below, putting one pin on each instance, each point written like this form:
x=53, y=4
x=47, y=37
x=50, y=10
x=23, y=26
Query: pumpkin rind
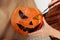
x=24, y=16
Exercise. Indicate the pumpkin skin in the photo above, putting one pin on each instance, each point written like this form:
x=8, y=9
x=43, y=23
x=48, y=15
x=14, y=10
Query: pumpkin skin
x=25, y=20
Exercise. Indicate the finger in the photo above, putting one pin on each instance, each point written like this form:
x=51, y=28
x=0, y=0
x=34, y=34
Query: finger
x=42, y=32
x=55, y=2
x=39, y=33
x=45, y=23
x=52, y=31
x=52, y=2
x=55, y=33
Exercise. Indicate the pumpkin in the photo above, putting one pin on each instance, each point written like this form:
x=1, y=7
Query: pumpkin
x=25, y=20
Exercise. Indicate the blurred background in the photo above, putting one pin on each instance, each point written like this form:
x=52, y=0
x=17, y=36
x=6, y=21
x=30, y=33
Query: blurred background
x=42, y=4
x=7, y=7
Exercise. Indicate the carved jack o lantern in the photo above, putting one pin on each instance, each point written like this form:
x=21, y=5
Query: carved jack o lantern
x=24, y=20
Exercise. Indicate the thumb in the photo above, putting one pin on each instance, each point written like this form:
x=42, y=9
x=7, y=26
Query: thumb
x=41, y=32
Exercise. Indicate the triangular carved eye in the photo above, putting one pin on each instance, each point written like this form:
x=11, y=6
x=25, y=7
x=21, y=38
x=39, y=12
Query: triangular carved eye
x=22, y=15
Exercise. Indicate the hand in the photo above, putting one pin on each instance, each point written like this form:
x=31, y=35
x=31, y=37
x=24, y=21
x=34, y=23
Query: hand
x=54, y=2
x=46, y=30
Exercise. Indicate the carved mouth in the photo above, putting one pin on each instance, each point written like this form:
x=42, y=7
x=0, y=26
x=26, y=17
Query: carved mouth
x=28, y=29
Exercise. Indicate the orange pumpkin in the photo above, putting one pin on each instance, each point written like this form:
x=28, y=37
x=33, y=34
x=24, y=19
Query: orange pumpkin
x=25, y=21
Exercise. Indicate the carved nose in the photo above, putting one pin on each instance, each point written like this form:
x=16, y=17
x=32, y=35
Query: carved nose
x=31, y=23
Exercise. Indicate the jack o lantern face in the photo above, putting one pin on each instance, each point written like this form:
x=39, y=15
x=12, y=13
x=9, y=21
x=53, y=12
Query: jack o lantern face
x=25, y=21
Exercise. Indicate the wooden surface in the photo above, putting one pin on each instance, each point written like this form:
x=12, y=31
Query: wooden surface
x=6, y=30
